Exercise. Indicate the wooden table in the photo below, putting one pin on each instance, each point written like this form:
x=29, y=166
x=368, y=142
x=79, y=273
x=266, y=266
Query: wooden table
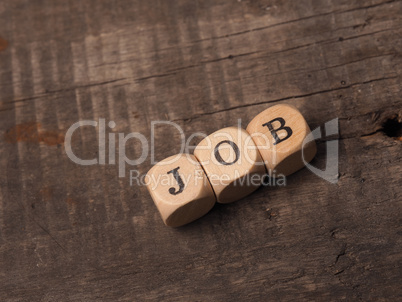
x=81, y=233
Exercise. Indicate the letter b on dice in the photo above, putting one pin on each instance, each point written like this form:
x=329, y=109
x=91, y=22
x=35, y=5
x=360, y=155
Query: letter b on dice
x=279, y=132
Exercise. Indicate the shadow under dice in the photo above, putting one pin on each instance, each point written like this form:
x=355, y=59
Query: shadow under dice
x=180, y=189
x=279, y=133
x=232, y=163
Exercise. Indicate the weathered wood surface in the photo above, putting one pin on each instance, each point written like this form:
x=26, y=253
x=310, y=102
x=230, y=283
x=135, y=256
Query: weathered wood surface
x=81, y=233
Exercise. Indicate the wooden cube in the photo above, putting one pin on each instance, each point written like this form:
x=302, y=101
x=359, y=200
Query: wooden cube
x=180, y=189
x=232, y=163
x=279, y=132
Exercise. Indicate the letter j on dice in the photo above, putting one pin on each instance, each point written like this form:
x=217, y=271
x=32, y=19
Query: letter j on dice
x=180, y=189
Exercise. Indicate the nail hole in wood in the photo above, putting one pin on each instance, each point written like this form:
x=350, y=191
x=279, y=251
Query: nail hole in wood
x=392, y=127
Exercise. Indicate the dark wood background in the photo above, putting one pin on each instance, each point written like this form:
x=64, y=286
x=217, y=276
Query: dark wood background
x=81, y=233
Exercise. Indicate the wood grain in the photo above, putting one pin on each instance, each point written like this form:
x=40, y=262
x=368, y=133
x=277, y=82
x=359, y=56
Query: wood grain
x=81, y=233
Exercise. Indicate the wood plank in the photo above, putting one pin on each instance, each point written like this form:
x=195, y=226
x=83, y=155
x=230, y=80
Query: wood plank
x=81, y=233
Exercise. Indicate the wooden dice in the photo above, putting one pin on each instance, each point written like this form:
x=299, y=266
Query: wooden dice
x=180, y=189
x=279, y=133
x=230, y=164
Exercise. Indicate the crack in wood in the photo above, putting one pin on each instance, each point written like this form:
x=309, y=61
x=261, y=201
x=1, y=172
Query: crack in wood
x=284, y=98
x=296, y=20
